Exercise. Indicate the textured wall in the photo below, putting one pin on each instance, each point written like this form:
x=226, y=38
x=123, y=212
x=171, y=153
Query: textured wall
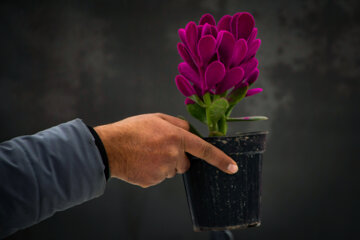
x=104, y=61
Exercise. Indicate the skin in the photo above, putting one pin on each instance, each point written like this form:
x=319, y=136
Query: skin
x=146, y=149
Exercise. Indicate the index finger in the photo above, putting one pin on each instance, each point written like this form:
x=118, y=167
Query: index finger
x=206, y=151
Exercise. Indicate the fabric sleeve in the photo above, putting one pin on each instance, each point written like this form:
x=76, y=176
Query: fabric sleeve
x=47, y=172
x=99, y=144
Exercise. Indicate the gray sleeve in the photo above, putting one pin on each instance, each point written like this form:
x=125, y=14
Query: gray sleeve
x=47, y=172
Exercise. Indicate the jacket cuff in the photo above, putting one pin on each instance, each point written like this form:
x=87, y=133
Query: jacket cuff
x=102, y=151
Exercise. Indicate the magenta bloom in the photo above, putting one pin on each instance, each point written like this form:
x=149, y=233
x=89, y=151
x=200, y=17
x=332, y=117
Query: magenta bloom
x=218, y=57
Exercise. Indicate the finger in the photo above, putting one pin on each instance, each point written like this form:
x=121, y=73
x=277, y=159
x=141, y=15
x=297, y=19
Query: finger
x=171, y=174
x=175, y=121
x=204, y=150
x=183, y=164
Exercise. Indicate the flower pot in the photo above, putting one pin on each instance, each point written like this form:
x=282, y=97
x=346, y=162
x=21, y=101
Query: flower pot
x=219, y=201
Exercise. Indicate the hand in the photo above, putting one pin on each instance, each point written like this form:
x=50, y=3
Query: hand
x=146, y=149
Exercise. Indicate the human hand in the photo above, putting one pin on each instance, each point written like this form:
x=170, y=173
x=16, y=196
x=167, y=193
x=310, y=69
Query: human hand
x=145, y=149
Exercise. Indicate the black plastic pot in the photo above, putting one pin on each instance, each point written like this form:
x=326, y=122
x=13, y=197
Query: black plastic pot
x=219, y=201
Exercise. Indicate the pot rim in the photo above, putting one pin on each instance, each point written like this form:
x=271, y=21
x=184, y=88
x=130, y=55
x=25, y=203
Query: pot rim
x=239, y=134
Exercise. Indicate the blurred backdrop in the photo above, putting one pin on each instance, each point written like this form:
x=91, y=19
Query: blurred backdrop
x=103, y=61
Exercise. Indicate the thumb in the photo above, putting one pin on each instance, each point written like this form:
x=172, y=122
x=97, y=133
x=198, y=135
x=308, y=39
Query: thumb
x=175, y=121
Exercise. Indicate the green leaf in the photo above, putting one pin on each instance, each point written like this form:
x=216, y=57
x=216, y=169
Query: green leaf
x=216, y=133
x=237, y=95
x=207, y=98
x=223, y=126
x=192, y=128
x=217, y=110
x=196, y=99
x=249, y=118
x=215, y=97
x=234, y=97
x=197, y=112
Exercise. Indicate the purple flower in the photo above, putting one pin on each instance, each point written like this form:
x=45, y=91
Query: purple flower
x=184, y=86
x=218, y=58
x=253, y=91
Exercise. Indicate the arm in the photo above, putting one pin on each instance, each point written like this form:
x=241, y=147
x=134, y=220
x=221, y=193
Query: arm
x=47, y=172
x=62, y=167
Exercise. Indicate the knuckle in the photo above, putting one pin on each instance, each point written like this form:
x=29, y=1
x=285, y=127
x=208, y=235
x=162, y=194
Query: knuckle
x=173, y=136
x=186, y=125
x=150, y=182
x=172, y=153
x=181, y=170
x=206, y=150
x=184, y=166
x=144, y=185
x=158, y=114
x=171, y=174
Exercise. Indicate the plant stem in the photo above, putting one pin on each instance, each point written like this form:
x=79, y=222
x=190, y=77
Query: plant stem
x=207, y=99
x=208, y=120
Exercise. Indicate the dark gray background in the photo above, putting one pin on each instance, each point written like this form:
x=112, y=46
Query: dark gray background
x=103, y=61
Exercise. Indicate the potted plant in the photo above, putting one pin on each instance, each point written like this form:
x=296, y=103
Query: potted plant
x=218, y=70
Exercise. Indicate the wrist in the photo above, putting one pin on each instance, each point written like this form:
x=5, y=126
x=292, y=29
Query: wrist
x=112, y=142
x=99, y=144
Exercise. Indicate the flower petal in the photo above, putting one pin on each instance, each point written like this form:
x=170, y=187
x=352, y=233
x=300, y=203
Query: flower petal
x=253, y=76
x=207, y=18
x=199, y=31
x=253, y=49
x=188, y=101
x=184, y=86
x=241, y=85
x=226, y=47
x=189, y=73
x=233, y=77
x=253, y=91
x=183, y=52
x=240, y=50
x=245, y=25
x=206, y=49
x=206, y=30
x=252, y=35
x=198, y=90
x=234, y=23
x=250, y=66
x=214, y=31
x=214, y=73
x=182, y=35
x=224, y=23
x=191, y=37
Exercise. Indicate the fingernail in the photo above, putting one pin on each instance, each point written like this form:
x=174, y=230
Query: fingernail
x=233, y=168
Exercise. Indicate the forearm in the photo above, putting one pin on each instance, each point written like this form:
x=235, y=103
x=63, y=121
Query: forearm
x=47, y=172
